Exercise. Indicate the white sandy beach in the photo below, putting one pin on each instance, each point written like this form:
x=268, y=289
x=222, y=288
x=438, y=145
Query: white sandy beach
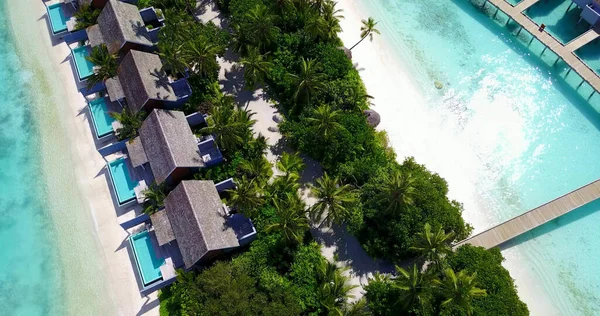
x=99, y=278
x=401, y=102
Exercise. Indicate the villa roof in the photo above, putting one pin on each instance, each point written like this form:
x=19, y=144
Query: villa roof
x=136, y=152
x=198, y=220
x=94, y=35
x=162, y=227
x=122, y=23
x=169, y=143
x=114, y=89
x=142, y=79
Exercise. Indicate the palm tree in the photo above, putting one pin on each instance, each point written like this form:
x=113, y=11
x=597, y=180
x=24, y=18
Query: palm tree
x=433, y=246
x=308, y=82
x=459, y=290
x=283, y=185
x=331, y=18
x=398, y=190
x=258, y=169
x=230, y=126
x=358, y=308
x=325, y=119
x=200, y=56
x=154, y=196
x=86, y=16
x=415, y=290
x=105, y=63
x=367, y=29
x=256, y=68
x=334, y=201
x=245, y=197
x=290, y=163
x=171, y=55
x=291, y=220
x=335, y=290
x=130, y=123
x=262, y=27
x=241, y=43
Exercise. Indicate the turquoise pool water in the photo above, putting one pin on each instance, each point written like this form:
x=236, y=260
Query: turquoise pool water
x=101, y=117
x=519, y=133
x=58, y=20
x=121, y=180
x=147, y=262
x=30, y=270
x=85, y=68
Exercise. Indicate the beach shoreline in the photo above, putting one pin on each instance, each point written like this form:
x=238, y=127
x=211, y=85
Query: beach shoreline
x=97, y=274
x=392, y=83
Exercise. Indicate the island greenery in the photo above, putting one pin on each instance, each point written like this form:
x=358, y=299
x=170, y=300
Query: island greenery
x=398, y=211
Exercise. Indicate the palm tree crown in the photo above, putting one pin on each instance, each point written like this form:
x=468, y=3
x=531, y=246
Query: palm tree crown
x=290, y=163
x=256, y=68
x=334, y=201
x=105, y=63
x=130, y=123
x=398, y=190
x=326, y=120
x=308, y=82
x=262, y=27
x=367, y=29
x=232, y=126
x=154, y=198
x=433, y=246
x=414, y=288
x=291, y=220
x=245, y=197
x=334, y=290
x=459, y=290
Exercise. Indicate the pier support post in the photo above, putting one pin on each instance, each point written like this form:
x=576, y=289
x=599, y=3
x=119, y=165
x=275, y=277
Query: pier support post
x=591, y=94
x=531, y=40
x=484, y=3
x=569, y=8
x=519, y=32
x=507, y=21
x=554, y=64
x=497, y=9
x=543, y=51
x=582, y=81
x=568, y=72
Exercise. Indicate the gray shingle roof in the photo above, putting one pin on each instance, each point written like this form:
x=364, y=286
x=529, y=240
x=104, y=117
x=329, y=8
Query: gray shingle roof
x=122, y=23
x=136, y=152
x=162, y=227
x=94, y=35
x=114, y=89
x=198, y=220
x=169, y=143
x=142, y=79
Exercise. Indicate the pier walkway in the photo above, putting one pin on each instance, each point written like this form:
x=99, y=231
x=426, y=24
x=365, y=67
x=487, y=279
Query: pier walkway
x=540, y=215
x=564, y=52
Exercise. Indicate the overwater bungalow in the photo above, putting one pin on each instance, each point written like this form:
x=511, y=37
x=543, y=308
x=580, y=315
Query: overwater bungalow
x=167, y=145
x=193, y=229
x=121, y=28
x=143, y=85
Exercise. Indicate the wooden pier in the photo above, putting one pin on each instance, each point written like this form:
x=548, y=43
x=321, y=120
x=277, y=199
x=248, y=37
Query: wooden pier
x=564, y=52
x=516, y=226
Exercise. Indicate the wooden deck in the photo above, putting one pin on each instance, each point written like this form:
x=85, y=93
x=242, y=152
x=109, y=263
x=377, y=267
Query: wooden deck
x=516, y=226
x=565, y=52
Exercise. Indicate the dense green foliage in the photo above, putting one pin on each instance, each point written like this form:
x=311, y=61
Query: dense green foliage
x=397, y=211
x=86, y=16
x=105, y=65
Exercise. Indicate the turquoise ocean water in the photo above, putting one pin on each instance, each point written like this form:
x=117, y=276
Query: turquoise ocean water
x=29, y=270
x=532, y=134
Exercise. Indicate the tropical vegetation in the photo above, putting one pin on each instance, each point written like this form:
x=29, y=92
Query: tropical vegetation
x=86, y=16
x=105, y=65
x=397, y=211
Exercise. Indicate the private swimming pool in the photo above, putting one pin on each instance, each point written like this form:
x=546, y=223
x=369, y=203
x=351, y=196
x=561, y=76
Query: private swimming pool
x=122, y=182
x=85, y=68
x=147, y=262
x=58, y=20
x=101, y=117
